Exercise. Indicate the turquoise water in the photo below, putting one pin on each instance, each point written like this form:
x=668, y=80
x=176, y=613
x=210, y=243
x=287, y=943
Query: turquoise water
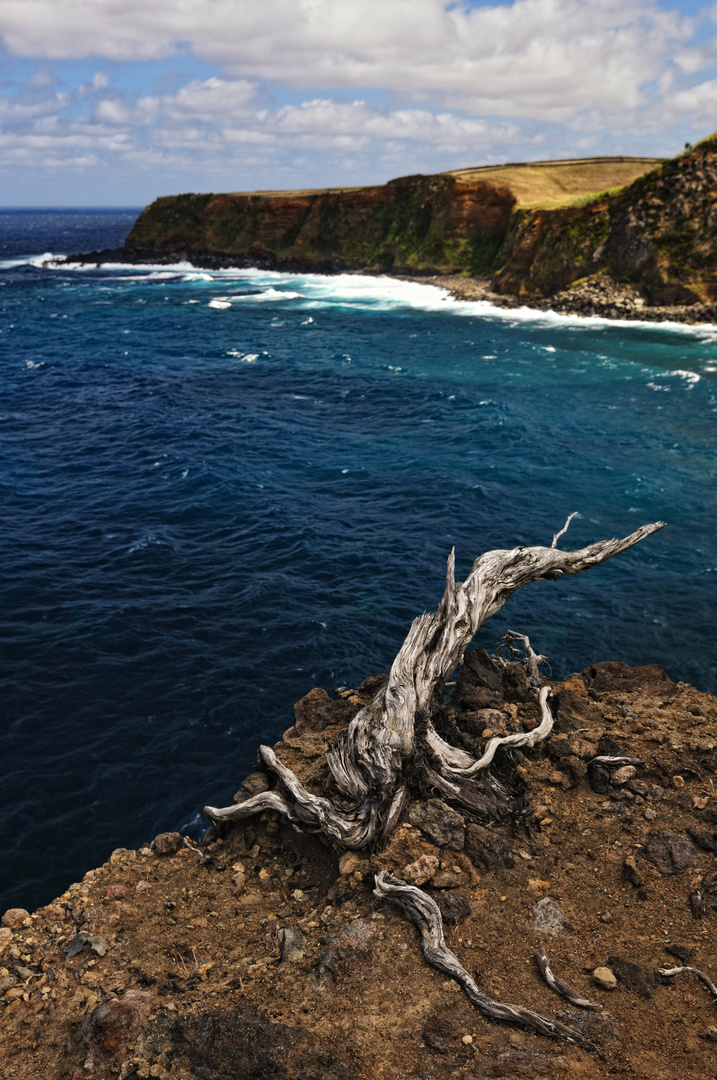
x=221, y=489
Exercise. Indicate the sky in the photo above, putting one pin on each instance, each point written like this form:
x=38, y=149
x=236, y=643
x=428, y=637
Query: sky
x=114, y=102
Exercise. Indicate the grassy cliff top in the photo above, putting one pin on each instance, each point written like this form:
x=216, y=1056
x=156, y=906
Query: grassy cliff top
x=546, y=185
x=537, y=185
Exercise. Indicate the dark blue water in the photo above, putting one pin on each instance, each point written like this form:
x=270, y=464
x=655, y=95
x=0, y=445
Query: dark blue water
x=219, y=490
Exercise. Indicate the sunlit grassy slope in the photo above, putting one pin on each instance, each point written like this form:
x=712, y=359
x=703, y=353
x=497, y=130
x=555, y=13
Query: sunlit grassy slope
x=549, y=184
x=538, y=184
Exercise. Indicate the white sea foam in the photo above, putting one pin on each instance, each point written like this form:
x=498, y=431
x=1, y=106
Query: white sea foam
x=221, y=303
x=247, y=358
x=360, y=290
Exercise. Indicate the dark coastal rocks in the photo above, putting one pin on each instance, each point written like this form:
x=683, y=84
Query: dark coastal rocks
x=613, y=676
x=488, y=849
x=549, y=918
x=484, y=683
x=634, y=977
x=317, y=710
x=442, y=825
x=243, y=1042
x=255, y=784
x=669, y=851
x=168, y=843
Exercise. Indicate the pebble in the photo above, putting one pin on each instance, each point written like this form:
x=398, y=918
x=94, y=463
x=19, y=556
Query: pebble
x=623, y=774
x=351, y=861
x=292, y=944
x=467, y=1040
x=649, y=814
x=605, y=978
x=14, y=917
x=5, y=937
x=167, y=843
x=420, y=871
x=678, y=781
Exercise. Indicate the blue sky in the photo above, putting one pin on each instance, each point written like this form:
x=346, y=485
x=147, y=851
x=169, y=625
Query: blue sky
x=113, y=102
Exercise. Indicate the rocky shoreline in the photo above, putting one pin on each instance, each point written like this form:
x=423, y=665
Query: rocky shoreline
x=264, y=953
x=597, y=296
x=600, y=296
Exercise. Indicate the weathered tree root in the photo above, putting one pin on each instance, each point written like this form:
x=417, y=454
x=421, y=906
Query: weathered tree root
x=694, y=971
x=369, y=763
x=426, y=915
x=560, y=987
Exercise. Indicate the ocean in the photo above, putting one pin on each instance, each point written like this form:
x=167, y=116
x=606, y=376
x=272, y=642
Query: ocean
x=220, y=489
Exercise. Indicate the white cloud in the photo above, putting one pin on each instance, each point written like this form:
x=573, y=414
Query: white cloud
x=512, y=59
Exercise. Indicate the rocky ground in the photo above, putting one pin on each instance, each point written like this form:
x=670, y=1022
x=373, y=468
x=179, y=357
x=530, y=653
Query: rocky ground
x=599, y=295
x=265, y=954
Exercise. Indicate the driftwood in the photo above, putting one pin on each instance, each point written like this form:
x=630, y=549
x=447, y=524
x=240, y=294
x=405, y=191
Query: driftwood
x=559, y=986
x=669, y=972
x=425, y=913
x=369, y=764
x=392, y=741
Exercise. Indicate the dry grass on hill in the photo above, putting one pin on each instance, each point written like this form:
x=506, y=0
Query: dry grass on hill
x=546, y=185
x=539, y=185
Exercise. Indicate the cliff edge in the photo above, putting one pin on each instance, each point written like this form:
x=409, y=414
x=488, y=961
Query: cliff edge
x=264, y=954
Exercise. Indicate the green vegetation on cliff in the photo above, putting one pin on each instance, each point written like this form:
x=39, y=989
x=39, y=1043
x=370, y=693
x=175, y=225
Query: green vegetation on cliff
x=536, y=229
x=417, y=223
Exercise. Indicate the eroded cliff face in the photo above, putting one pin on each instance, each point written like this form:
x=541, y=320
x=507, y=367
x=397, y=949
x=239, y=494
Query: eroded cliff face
x=659, y=235
x=654, y=242
x=433, y=223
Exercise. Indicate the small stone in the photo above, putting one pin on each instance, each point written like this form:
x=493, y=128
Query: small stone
x=678, y=781
x=670, y=852
x=605, y=978
x=420, y=871
x=14, y=917
x=549, y=918
x=606, y=917
x=699, y=802
x=292, y=944
x=5, y=937
x=467, y=1040
x=555, y=777
x=631, y=871
x=83, y=940
x=649, y=814
x=623, y=774
x=351, y=861
x=440, y=823
x=14, y=993
x=167, y=843
x=453, y=905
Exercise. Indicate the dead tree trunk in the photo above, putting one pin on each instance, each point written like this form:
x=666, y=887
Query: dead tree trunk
x=370, y=763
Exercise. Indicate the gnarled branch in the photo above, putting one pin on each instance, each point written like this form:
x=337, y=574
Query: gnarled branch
x=425, y=913
x=369, y=763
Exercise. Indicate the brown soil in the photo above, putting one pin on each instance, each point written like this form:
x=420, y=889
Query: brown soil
x=192, y=987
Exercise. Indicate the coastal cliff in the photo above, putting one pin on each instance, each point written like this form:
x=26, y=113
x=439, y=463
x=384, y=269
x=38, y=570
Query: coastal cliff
x=658, y=235
x=264, y=954
x=647, y=249
x=436, y=223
